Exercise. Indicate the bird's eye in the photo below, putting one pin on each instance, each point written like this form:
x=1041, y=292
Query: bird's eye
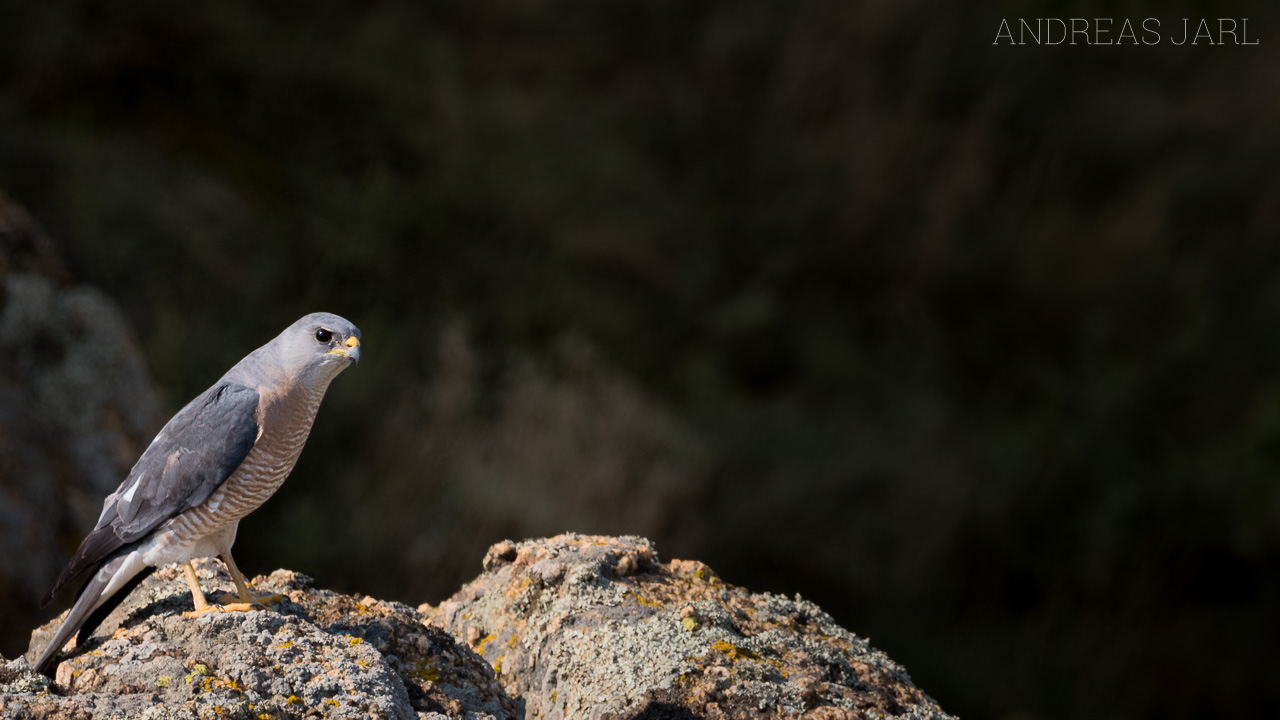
x=323, y=335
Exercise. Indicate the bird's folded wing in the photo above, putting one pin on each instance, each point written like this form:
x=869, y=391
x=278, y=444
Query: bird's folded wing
x=195, y=453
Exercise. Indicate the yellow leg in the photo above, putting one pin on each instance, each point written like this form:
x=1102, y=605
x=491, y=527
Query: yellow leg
x=248, y=601
x=197, y=595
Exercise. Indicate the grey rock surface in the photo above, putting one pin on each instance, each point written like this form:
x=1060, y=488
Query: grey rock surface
x=317, y=654
x=565, y=628
x=76, y=409
x=589, y=627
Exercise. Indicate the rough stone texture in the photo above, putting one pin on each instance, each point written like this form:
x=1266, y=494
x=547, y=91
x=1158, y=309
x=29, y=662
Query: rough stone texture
x=76, y=409
x=571, y=627
x=592, y=627
x=318, y=654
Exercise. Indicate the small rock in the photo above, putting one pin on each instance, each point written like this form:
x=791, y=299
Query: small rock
x=502, y=553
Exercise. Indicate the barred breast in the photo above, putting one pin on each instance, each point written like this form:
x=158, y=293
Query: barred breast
x=286, y=419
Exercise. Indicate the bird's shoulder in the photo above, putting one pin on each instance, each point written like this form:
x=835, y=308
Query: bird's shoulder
x=188, y=459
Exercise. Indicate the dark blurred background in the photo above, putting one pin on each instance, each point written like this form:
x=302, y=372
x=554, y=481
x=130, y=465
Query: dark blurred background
x=974, y=346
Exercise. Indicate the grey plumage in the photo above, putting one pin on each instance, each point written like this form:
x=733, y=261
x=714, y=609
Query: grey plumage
x=195, y=452
x=216, y=460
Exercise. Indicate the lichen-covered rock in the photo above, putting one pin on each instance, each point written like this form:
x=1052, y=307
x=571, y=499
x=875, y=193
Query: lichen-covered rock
x=317, y=654
x=591, y=627
x=76, y=409
x=571, y=627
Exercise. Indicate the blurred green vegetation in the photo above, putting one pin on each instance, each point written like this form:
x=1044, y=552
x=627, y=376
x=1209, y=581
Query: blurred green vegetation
x=974, y=346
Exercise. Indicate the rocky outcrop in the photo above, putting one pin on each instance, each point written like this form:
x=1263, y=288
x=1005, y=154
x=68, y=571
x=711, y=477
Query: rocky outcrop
x=318, y=654
x=563, y=628
x=76, y=410
x=589, y=627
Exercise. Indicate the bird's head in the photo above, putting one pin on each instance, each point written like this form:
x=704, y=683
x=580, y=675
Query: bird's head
x=319, y=345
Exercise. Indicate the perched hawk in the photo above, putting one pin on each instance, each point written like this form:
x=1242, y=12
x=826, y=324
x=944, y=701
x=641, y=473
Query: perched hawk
x=216, y=461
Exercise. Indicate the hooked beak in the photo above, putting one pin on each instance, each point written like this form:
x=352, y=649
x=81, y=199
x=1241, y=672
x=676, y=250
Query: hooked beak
x=351, y=351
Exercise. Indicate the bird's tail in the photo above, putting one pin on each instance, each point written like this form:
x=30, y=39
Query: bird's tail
x=113, y=580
